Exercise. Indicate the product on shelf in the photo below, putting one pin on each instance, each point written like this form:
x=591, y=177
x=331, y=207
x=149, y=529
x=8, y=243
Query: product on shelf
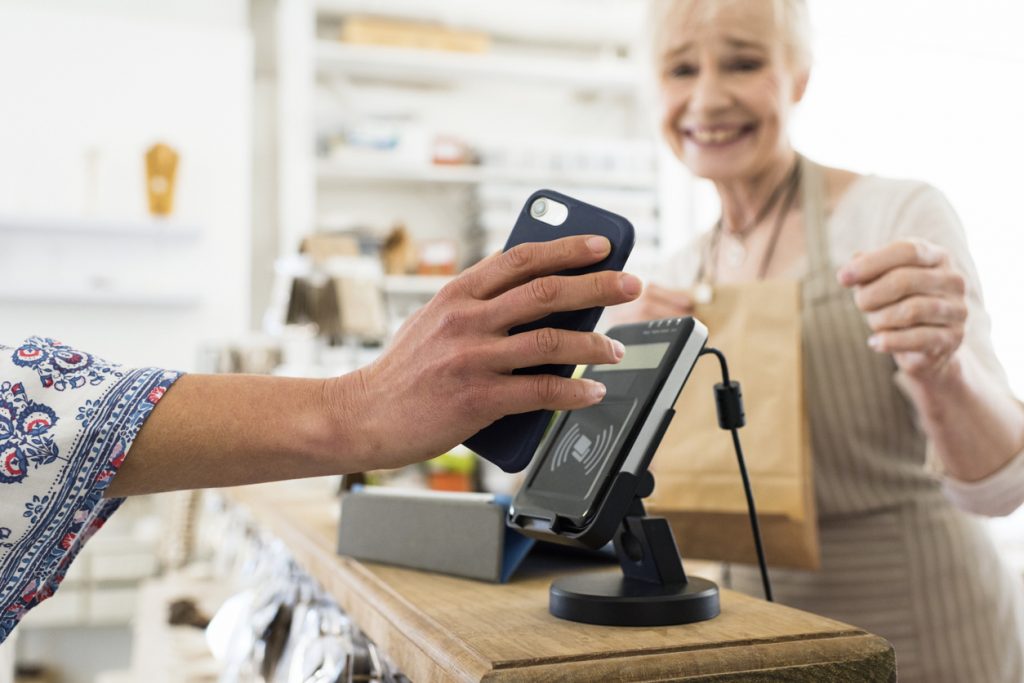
x=409, y=34
x=161, y=169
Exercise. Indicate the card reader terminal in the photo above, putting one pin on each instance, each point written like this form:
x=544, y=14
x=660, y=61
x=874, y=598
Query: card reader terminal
x=592, y=462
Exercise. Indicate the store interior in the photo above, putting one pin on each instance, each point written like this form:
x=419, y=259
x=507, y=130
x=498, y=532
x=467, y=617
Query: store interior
x=274, y=186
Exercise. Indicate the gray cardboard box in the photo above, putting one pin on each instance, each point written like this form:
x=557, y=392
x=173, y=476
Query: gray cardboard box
x=463, y=534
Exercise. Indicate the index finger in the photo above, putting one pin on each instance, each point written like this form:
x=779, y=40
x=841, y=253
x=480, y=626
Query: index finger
x=866, y=267
x=501, y=272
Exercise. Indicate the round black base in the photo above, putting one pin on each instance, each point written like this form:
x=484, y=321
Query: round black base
x=610, y=599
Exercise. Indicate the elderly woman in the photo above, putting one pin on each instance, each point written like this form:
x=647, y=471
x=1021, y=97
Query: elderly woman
x=910, y=375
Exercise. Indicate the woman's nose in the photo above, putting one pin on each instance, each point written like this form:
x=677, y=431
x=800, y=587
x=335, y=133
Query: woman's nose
x=709, y=92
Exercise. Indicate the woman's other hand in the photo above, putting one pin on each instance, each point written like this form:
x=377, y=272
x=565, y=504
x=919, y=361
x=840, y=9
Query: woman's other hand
x=914, y=302
x=448, y=372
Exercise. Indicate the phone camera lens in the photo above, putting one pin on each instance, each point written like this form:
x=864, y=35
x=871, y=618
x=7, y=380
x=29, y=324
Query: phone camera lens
x=539, y=208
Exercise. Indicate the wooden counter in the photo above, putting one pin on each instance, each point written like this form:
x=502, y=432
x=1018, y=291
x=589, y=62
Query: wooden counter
x=441, y=628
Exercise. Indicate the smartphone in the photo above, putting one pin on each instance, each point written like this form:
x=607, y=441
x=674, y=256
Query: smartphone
x=590, y=465
x=511, y=441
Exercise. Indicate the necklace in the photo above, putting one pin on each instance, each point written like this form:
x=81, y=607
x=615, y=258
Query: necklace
x=735, y=252
x=704, y=292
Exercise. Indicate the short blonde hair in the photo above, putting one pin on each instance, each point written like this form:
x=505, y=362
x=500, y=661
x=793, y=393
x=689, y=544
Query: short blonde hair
x=792, y=20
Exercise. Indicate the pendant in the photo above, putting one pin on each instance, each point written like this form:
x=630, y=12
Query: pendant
x=735, y=253
x=703, y=293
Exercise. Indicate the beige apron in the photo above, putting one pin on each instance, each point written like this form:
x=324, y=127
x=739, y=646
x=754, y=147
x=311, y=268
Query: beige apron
x=897, y=558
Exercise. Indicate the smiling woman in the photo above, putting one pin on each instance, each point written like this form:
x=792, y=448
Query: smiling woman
x=913, y=422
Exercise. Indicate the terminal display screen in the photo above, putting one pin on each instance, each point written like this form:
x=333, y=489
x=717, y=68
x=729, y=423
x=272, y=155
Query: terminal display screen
x=584, y=450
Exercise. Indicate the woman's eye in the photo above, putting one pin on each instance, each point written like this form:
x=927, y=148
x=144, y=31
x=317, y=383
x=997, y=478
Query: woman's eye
x=683, y=70
x=745, y=65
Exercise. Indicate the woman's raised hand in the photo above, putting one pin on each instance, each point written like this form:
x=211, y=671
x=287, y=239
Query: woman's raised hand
x=914, y=302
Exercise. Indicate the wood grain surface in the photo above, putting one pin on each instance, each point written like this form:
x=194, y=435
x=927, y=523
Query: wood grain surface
x=442, y=628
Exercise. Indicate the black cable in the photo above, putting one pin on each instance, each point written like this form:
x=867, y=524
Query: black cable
x=729, y=401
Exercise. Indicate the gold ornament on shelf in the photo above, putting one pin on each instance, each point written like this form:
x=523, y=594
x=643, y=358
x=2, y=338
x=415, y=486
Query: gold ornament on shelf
x=161, y=166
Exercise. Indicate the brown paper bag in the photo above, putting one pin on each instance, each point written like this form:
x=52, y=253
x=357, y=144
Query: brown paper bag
x=697, y=481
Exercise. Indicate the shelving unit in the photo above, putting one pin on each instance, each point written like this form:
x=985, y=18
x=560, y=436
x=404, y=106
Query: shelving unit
x=552, y=101
x=56, y=226
x=544, y=77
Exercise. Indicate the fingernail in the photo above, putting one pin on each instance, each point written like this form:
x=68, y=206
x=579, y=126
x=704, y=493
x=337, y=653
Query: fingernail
x=597, y=390
x=631, y=284
x=618, y=349
x=875, y=342
x=847, y=276
x=599, y=245
x=928, y=254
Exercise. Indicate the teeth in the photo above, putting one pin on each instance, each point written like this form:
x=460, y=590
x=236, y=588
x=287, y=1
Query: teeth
x=716, y=136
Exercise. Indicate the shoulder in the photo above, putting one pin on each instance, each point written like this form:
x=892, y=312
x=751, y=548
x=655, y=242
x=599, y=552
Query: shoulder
x=881, y=196
x=873, y=210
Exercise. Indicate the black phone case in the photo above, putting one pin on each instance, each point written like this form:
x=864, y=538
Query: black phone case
x=510, y=442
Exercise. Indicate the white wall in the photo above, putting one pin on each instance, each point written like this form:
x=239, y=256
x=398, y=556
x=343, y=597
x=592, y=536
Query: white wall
x=932, y=90
x=103, y=80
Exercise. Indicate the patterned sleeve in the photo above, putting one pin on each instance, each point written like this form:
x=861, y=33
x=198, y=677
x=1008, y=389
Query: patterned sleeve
x=67, y=420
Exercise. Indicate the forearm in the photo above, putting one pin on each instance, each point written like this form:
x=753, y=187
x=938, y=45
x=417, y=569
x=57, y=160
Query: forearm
x=227, y=430
x=974, y=430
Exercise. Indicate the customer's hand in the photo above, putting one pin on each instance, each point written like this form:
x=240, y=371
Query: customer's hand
x=914, y=302
x=654, y=304
x=448, y=372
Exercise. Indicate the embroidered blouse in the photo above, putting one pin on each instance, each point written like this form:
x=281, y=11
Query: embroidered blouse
x=67, y=421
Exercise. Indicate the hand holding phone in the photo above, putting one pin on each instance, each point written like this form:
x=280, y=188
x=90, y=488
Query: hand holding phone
x=448, y=371
x=547, y=215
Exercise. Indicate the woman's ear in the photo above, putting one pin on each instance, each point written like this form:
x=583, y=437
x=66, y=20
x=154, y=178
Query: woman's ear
x=800, y=85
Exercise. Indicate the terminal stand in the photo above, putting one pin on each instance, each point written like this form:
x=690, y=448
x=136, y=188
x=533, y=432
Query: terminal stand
x=652, y=588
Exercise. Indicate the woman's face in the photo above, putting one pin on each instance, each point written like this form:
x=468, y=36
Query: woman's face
x=727, y=89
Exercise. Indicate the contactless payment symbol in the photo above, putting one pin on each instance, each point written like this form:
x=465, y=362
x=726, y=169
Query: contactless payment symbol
x=588, y=451
x=581, y=448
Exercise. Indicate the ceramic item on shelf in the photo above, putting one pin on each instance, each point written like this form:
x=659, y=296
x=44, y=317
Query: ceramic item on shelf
x=161, y=168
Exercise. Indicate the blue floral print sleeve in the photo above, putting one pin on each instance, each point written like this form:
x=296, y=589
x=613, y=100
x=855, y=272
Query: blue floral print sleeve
x=67, y=420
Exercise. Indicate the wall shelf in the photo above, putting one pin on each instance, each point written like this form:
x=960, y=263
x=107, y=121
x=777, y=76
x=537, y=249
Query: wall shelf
x=424, y=285
x=144, y=228
x=608, y=22
x=81, y=296
x=336, y=171
x=398, y=65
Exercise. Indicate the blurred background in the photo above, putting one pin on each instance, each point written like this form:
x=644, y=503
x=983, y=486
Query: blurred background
x=272, y=186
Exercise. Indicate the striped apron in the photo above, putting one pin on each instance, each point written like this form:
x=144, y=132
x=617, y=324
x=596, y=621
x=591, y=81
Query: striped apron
x=898, y=559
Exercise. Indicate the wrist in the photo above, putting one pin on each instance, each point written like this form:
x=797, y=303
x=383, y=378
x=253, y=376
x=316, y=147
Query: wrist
x=349, y=438
x=940, y=390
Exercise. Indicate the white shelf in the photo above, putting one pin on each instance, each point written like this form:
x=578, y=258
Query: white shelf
x=426, y=285
x=333, y=170
x=146, y=228
x=608, y=22
x=403, y=65
x=78, y=296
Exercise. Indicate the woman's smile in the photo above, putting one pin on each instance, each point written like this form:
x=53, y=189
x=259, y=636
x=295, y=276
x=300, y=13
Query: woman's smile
x=717, y=136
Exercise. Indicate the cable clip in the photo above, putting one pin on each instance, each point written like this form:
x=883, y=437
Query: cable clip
x=729, y=402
